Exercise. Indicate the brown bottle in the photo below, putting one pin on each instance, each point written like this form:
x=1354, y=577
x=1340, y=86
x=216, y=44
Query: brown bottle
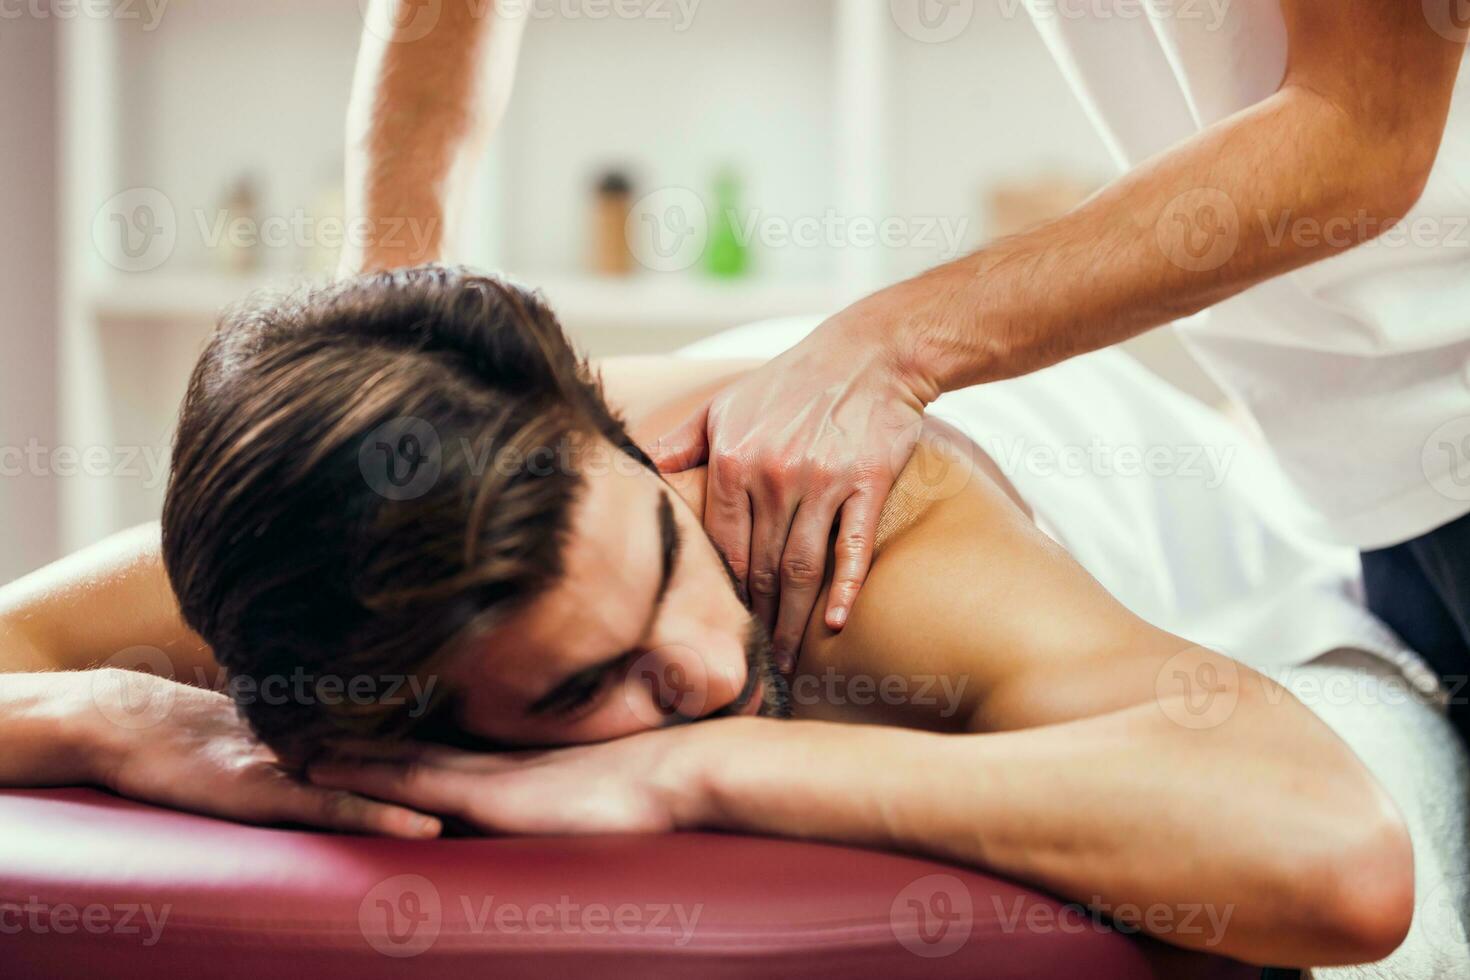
x=614, y=202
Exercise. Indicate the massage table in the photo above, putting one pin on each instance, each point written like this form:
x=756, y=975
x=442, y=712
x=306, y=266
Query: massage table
x=95, y=886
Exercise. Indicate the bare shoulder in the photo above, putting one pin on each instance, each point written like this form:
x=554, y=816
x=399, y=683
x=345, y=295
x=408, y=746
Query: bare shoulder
x=111, y=597
x=965, y=586
x=658, y=391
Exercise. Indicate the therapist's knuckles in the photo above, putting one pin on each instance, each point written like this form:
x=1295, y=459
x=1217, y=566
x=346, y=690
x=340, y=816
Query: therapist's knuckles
x=801, y=571
x=797, y=473
x=765, y=583
x=727, y=465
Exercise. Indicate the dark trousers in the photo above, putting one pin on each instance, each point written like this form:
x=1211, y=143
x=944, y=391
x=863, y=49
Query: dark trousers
x=1421, y=588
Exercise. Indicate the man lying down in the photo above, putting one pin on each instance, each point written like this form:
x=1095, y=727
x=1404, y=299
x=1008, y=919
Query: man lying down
x=406, y=490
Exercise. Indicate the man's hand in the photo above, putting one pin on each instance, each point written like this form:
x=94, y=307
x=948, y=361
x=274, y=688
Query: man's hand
x=179, y=746
x=646, y=783
x=822, y=430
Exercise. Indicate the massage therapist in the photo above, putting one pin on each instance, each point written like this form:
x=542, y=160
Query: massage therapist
x=1298, y=169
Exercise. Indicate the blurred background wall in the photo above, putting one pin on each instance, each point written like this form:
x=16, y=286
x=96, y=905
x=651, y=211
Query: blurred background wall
x=29, y=504
x=667, y=168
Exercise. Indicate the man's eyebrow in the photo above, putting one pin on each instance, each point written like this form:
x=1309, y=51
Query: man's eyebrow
x=671, y=542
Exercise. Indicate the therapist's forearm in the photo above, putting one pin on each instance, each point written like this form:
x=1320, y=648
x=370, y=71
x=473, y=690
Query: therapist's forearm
x=1126, y=808
x=1295, y=178
x=432, y=81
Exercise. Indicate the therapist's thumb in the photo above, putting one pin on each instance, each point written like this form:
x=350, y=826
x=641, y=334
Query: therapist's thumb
x=685, y=447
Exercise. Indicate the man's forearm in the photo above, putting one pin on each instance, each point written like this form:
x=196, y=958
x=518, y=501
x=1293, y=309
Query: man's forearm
x=1123, y=808
x=430, y=86
x=47, y=726
x=1290, y=181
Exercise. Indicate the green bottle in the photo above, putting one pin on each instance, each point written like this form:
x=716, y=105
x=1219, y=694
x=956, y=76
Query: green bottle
x=727, y=257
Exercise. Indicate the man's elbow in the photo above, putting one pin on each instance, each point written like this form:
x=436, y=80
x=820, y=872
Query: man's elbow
x=1345, y=856
x=1364, y=892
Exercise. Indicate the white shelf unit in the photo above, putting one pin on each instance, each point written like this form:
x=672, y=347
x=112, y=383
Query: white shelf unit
x=664, y=310
x=823, y=107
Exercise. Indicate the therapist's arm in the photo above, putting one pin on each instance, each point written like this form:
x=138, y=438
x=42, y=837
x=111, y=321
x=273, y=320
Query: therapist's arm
x=1339, y=153
x=431, y=84
x=1333, y=159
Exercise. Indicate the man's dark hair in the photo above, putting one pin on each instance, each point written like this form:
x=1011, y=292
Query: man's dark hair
x=363, y=473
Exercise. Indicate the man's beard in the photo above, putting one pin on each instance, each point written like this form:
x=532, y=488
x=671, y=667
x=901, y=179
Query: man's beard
x=760, y=673
x=760, y=665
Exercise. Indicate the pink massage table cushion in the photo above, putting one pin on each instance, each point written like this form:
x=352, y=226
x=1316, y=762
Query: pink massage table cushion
x=96, y=886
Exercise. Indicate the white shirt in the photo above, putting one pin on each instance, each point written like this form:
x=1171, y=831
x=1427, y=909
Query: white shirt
x=1356, y=368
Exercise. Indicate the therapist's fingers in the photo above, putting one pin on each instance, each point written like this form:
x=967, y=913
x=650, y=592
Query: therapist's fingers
x=853, y=554
x=685, y=447
x=727, y=516
x=770, y=519
x=802, y=566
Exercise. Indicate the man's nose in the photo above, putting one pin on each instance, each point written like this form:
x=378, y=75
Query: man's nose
x=727, y=678
x=689, y=681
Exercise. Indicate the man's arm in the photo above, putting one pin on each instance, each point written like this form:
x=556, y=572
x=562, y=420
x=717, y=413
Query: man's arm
x=1344, y=147
x=1285, y=855
x=432, y=82
x=107, y=604
x=1108, y=760
x=102, y=683
x=1263, y=834
x=1105, y=759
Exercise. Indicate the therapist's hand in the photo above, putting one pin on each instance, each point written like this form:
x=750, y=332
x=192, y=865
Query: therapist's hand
x=812, y=439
